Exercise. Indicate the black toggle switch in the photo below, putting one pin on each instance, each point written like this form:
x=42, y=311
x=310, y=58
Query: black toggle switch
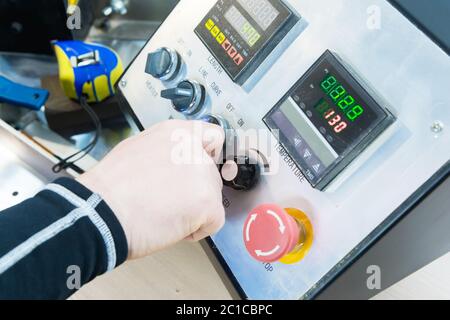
x=187, y=97
x=163, y=64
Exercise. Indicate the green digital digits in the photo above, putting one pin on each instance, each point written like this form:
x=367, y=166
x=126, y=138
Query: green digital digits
x=346, y=102
x=337, y=93
x=328, y=84
x=354, y=113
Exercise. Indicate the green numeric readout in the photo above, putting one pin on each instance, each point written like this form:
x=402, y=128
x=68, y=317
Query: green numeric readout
x=343, y=100
x=242, y=26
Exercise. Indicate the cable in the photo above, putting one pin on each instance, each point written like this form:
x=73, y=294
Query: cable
x=70, y=161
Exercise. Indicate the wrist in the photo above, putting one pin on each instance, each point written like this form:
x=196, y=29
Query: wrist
x=96, y=185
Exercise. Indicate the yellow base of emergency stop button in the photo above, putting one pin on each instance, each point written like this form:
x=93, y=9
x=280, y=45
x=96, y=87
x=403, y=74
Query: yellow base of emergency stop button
x=306, y=238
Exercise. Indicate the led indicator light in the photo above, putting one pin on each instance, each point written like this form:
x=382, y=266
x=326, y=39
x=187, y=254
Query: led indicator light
x=215, y=31
x=209, y=24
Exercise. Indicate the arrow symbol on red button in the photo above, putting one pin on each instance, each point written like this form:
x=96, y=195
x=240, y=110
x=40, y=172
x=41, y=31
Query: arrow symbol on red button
x=280, y=222
x=247, y=230
x=261, y=253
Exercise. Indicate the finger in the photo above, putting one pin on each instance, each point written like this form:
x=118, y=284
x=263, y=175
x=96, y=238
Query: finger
x=211, y=228
x=212, y=137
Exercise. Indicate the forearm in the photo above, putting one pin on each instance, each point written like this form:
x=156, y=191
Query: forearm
x=49, y=241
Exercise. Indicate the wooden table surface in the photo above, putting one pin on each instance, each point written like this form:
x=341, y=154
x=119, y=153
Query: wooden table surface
x=182, y=272
x=185, y=272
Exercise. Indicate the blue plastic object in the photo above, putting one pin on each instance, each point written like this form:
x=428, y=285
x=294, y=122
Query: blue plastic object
x=87, y=69
x=23, y=96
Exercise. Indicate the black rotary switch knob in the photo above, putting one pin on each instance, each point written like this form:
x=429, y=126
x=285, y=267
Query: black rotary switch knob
x=163, y=64
x=187, y=97
x=211, y=119
x=241, y=174
x=217, y=120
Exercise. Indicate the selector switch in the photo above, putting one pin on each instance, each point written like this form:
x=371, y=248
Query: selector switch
x=217, y=120
x=187, y=97
x=241, y=174
x=163, y=64
x=273, y=234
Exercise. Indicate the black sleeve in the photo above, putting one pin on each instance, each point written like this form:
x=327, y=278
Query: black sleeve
x=57, y=241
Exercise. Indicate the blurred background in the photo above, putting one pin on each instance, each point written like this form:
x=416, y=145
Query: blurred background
x=42, y=124
x=27, y=58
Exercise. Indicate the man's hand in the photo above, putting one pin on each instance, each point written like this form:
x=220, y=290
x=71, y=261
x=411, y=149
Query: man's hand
x=163, y=185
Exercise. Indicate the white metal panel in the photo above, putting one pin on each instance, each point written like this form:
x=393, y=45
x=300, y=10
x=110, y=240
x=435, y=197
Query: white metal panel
x=401, y=64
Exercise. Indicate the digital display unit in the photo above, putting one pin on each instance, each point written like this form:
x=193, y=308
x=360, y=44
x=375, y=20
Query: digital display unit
x=262, y=11
x=326, y=120
x=242, y=26
x=240, y=34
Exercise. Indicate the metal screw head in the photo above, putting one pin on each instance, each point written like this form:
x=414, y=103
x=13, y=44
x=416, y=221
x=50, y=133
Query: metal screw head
x=123, y=83
x=437, y=127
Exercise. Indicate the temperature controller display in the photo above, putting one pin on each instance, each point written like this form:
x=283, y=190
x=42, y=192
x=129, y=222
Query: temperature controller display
x=326, y=120
x=242, y=33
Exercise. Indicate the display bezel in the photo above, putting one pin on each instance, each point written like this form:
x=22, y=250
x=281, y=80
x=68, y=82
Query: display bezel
x=383, y=121
x=254, y=55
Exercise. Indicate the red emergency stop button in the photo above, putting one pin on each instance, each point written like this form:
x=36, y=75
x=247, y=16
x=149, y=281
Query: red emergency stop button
x=270, y=233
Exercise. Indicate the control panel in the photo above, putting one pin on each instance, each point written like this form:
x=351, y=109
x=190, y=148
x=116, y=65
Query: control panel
x=333, y=123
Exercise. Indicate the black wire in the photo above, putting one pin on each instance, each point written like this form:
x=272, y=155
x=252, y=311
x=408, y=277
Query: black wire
x=70, y=161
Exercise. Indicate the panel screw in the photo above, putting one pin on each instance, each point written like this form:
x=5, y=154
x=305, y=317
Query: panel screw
x=123, y=83
x=437, y=127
